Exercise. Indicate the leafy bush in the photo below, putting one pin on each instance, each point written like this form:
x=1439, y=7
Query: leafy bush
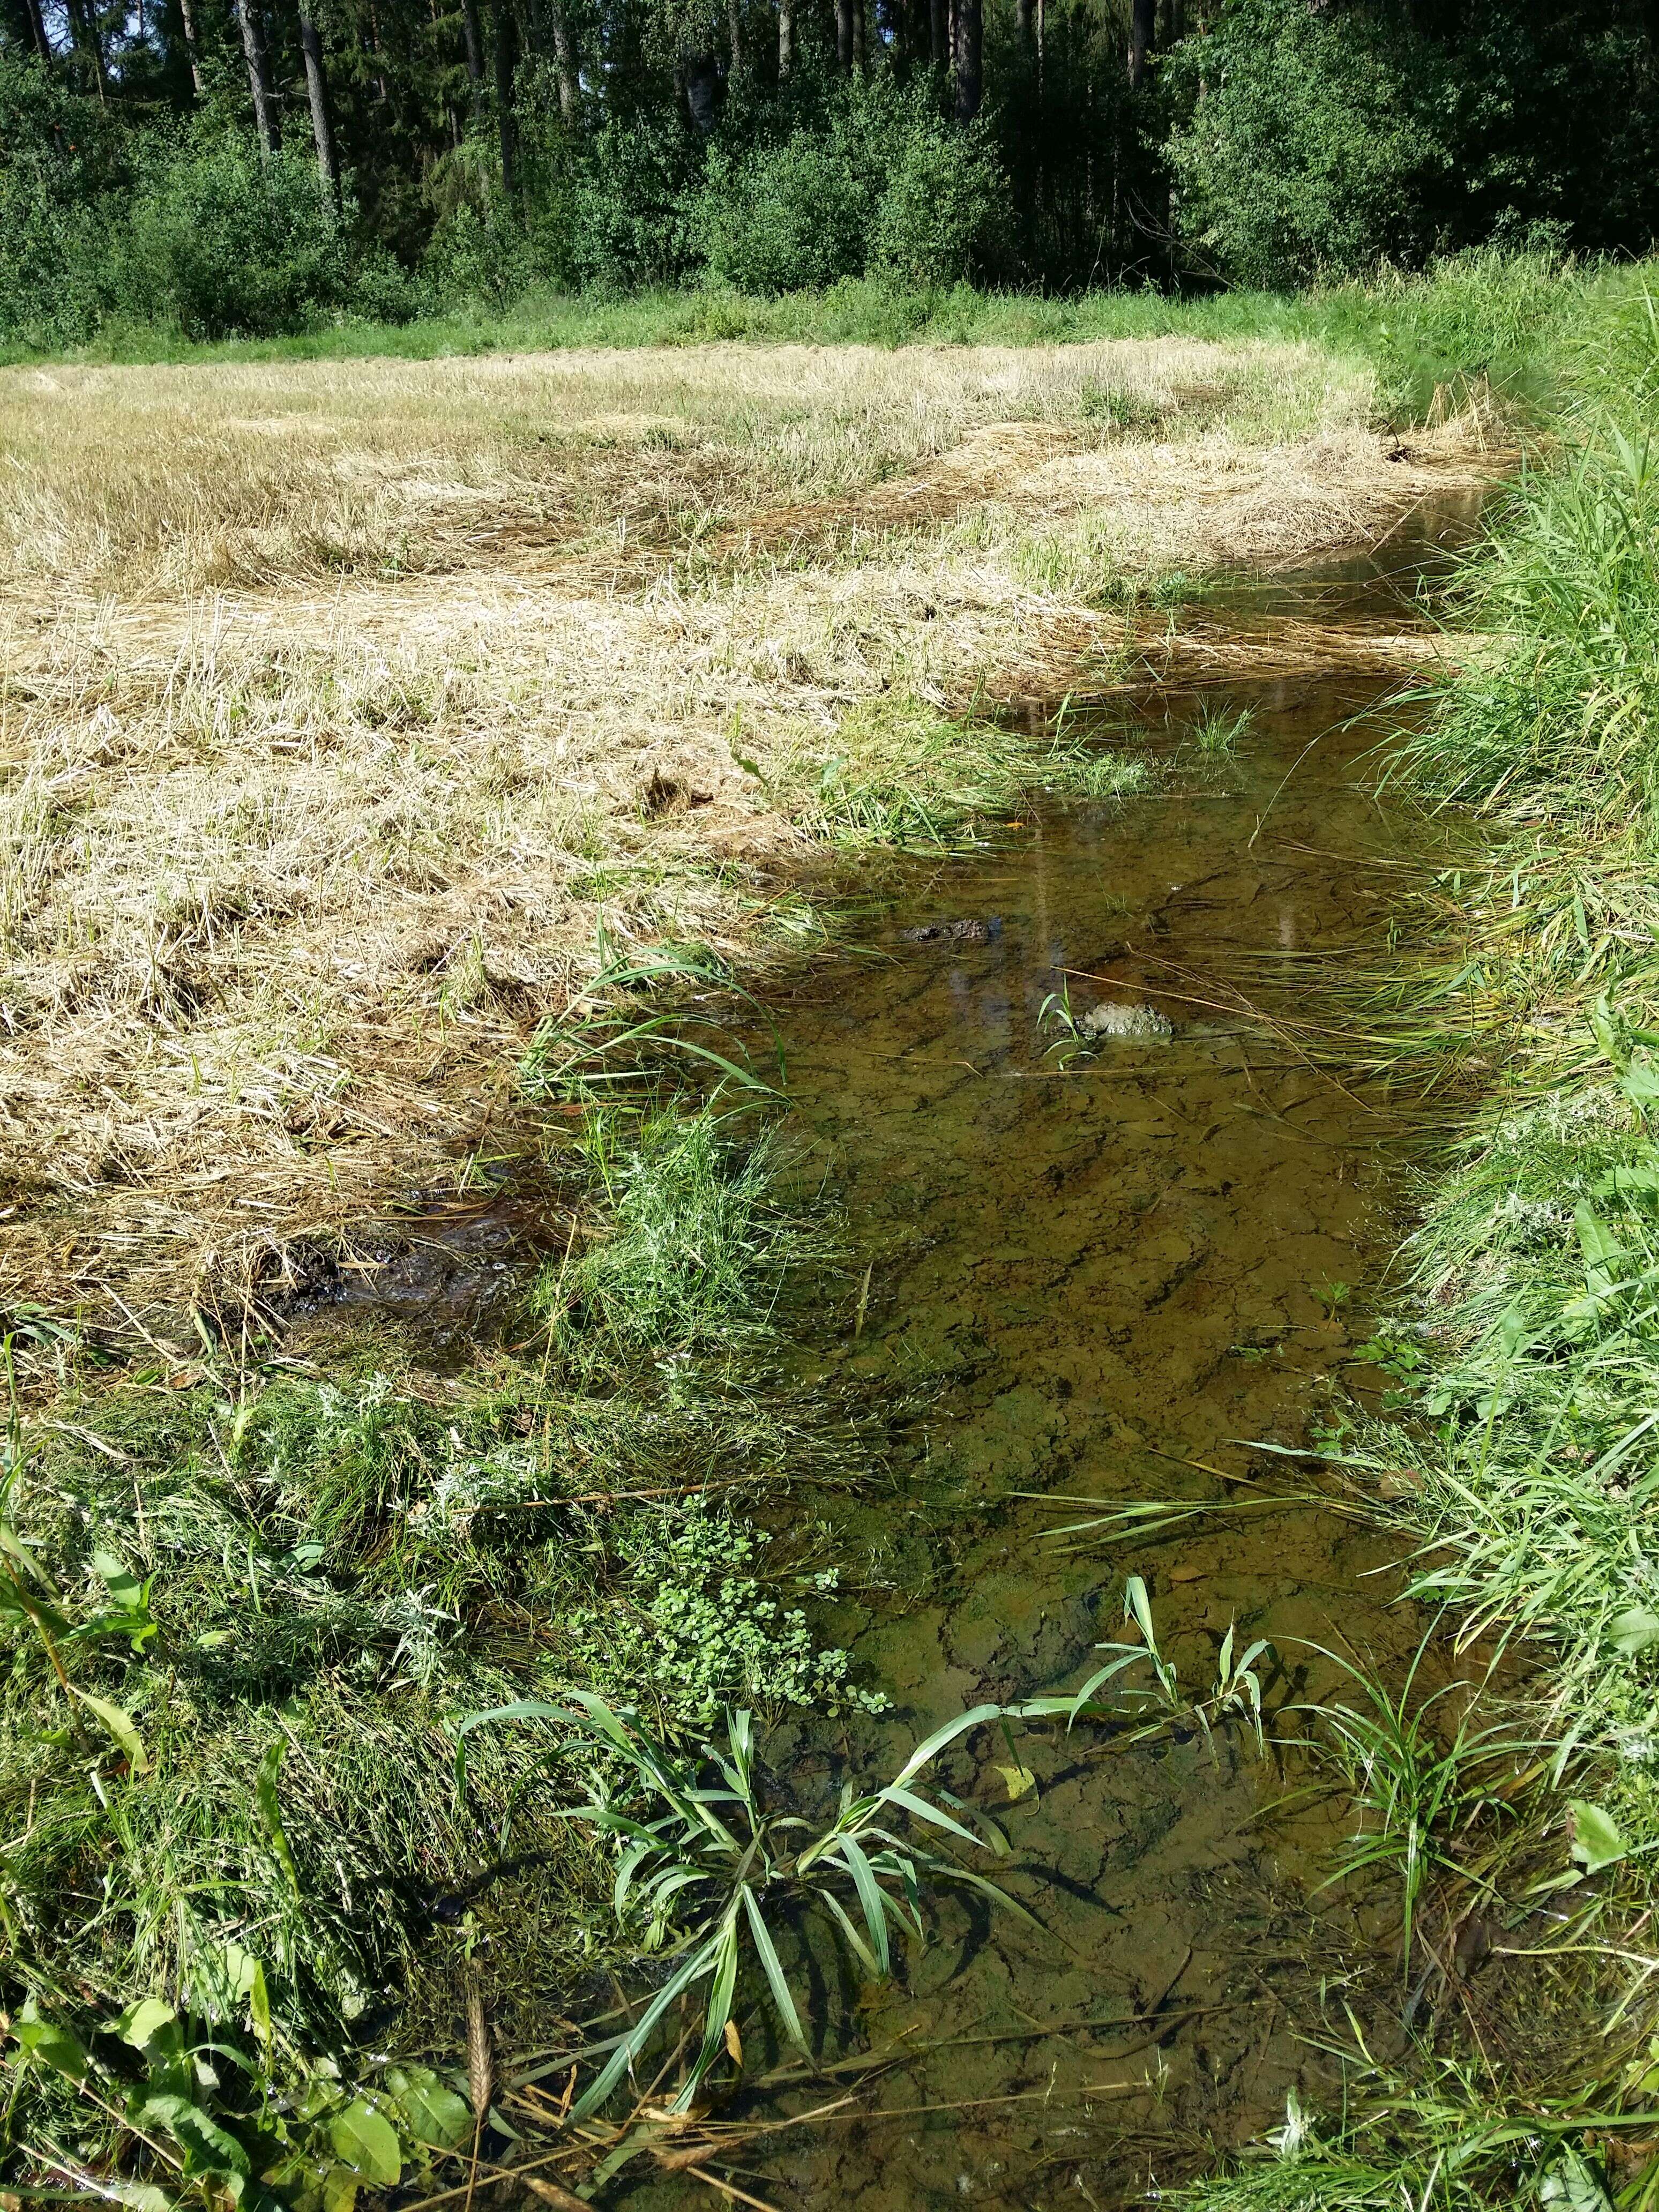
x=882, y=187
x=629, y=224
x=786, y=218
x=1311, y=146
x=939, y=207
x=222, y=240
x=59, y=162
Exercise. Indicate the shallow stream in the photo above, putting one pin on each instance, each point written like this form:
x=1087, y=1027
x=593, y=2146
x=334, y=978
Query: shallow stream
x=1108, y=1280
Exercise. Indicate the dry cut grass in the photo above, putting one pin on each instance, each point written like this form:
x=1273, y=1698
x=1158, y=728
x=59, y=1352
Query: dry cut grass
x=342, y=701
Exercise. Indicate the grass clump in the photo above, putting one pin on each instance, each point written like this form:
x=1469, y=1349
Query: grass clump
x=906, y=775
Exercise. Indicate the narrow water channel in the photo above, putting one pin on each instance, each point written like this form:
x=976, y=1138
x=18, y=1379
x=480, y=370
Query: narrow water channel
x=1109, y=1280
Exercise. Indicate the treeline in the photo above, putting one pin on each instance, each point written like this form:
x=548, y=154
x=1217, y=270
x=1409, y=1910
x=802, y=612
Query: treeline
x=258, y=164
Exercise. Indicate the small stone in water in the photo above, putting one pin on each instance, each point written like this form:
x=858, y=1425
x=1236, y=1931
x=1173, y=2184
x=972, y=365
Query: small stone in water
x=1109, y=1020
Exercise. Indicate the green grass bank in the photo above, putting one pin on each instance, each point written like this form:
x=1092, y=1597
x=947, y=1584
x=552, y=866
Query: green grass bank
x=1523, y=1458
x=1506, y=317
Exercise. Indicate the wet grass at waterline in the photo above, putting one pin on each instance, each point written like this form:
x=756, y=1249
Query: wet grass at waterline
x=1521, y=1449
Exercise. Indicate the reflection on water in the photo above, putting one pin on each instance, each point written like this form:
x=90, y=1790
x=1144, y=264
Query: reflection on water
x=1108, y=1280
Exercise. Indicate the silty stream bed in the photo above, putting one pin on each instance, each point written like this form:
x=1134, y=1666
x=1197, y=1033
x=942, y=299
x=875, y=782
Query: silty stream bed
x=1088, y=1281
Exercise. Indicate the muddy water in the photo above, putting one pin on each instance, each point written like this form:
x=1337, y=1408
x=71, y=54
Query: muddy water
x=1109, y=1281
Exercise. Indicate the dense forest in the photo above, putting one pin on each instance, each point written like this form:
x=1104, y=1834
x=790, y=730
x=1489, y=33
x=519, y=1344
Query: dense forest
x=223, y=165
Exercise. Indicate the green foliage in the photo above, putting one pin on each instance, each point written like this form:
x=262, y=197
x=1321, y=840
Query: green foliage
x=710, y=1873
x=193, y=2089
x=696, y=1254
x=1311, y=148
x=60, y=160
x=630, y=224
x=881, y=186
x=223, y=239
x=1417, y=1793
x=1317, y=142
x=1235, y=1694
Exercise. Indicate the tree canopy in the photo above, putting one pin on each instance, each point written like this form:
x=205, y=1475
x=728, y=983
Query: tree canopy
x=254, y=165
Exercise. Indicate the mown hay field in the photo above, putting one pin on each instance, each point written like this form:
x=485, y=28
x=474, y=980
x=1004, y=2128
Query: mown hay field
x=344, y=702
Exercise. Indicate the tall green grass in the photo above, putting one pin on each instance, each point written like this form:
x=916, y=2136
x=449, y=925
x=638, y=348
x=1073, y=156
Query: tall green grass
x=1526, y=1359
x=1509, y=318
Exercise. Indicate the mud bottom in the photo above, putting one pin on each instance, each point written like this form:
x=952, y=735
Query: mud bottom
x=1106, y=1277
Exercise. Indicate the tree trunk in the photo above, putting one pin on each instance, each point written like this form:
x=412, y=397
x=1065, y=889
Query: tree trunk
x=734, y=34
x=701, y=79
x=37, y=27
x=786, y=38
x=83, y=36
x=507, y=120
x=858, y=37
x=474, y=36
x=322, y=129
x=844, y=36
x=968, y=59
x=566, y=65
x=1022, y=19
x=1143, y=19
x=192, y=44
x=266, y=120
x=939, y=51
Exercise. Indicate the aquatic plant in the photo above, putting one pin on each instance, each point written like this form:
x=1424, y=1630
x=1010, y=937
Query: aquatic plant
x=1416, y=1794
x=1235, y=1694
x=708, y=1871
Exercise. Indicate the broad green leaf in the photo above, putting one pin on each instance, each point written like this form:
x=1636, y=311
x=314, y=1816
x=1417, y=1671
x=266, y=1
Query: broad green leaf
x=207, y=2145
x=54, y=2046
x=339, y=2190
x=1596, y=1841
x=140, y=2023
x=120, y=1725
x=1602, y=1249
x=367, y=2142
x=1640, y=1082
x=1573, y=2186
x=258, y=2005
x=436, y=2115
x=1635, y=1630
x=1622, y=1181
x=270, y=1811
x=118, y=1579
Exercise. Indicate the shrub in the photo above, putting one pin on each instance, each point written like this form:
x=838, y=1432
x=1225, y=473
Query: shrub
x=59, y=164
x=938, y=212
x=786, y=218
x=1311, y=146
x=630, y=224
x=883, y=187
x=221, y=241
